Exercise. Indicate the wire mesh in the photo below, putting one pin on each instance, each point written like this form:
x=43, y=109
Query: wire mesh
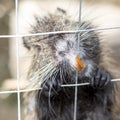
x=59, y=32
x=17, y=35
x=17, y=56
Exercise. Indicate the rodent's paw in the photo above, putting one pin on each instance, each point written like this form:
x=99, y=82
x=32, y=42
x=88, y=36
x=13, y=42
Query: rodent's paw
x=51, y=87
x=100, y=79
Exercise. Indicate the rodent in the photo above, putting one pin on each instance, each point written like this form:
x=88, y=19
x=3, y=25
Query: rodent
x=54, y=64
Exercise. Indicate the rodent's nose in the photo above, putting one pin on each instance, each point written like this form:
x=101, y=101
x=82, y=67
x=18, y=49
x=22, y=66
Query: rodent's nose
x=79, y=64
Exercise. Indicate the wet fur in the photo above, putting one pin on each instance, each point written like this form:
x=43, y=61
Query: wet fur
x=56, y=103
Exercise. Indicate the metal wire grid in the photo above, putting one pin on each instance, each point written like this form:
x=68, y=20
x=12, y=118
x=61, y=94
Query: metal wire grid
x=17, y=35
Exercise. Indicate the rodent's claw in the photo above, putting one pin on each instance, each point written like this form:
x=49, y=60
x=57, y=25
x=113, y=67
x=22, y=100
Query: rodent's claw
x=100, y=79
x=51, y=87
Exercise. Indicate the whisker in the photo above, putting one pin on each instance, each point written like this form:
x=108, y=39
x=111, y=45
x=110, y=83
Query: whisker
x=39, y=71
x=49, y=100
x=48, y=74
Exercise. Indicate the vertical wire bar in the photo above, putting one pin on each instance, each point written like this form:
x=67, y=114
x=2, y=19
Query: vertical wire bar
x=17, y=57
x=76, y=81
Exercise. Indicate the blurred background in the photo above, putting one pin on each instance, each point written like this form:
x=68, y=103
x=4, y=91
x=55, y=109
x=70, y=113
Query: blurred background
x=103, y=13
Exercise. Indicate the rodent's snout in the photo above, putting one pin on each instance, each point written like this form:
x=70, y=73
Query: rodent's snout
x=65, y=51
x=73, y=60
x=76, y=62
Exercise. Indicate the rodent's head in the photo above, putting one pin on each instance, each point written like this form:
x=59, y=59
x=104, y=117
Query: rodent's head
x=61, y=51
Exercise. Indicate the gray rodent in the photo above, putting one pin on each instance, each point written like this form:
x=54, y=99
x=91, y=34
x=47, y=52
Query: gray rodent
x=54, y=64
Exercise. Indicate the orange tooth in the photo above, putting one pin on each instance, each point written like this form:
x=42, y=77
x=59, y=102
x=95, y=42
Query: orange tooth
x=79, y=63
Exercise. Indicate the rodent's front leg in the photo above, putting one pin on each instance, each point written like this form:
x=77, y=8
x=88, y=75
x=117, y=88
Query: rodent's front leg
x=100, y=79
x=52, y=85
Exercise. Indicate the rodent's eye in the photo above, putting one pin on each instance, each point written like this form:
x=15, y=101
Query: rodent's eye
x=69, y=44
x=61, y=53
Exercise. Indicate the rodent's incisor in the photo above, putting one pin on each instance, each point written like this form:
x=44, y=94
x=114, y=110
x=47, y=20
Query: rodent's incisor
x=54, y=63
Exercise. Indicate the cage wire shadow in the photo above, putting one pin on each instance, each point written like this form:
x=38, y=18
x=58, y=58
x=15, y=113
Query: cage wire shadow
x=17, y=35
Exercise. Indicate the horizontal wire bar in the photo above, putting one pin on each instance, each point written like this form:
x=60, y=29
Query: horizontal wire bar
x=8, y=92
x=21, y=91
x=58, y=32
x=83, y=84
x=74, y=85
x=34, y=89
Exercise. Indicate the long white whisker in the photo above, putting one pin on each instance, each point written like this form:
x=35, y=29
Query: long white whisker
x=49, y=100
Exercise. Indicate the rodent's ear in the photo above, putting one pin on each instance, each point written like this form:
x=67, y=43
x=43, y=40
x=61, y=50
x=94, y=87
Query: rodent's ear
x=29, y=44
x=26, y=43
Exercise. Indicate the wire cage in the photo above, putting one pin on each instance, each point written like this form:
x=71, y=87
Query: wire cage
x=17, y=35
